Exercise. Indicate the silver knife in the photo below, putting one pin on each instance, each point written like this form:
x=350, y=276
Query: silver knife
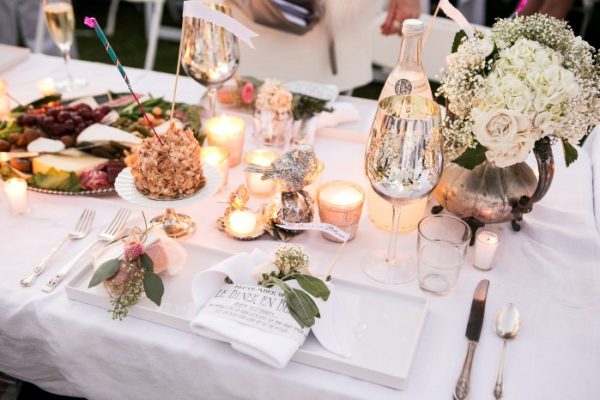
x=461, y=391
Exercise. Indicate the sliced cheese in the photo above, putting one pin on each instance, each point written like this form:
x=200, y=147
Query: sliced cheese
x=103, y=133
x=77, y=161
x=45, y=145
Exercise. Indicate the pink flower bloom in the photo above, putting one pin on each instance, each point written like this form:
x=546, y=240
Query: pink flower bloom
x=133, y=250
x=247, y=94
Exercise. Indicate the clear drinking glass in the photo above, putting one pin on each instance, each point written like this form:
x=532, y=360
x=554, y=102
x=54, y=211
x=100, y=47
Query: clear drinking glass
x=210, y=53
x=403, y=162
x=60, y=21
x=441, y=248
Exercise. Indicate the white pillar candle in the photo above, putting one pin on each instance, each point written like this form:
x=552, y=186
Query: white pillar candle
x=218, y=158
x=242, y=222
x=227, y=132
x=486, y=244
x=46, y=86
x=256, y=185
x=4, y=102
x=16, y=193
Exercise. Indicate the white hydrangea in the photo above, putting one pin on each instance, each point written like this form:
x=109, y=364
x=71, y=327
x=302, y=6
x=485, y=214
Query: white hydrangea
x=533, y=77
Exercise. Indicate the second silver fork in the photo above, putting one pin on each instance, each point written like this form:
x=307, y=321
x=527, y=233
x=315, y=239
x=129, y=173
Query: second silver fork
x=109, y=234
x=81, y=229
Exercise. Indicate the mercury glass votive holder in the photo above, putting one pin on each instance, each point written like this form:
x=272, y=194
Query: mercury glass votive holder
x=340, y=203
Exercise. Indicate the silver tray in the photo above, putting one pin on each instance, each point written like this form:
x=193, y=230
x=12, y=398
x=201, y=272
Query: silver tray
x=96, y=192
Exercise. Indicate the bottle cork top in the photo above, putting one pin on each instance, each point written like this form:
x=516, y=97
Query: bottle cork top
x=412, y=26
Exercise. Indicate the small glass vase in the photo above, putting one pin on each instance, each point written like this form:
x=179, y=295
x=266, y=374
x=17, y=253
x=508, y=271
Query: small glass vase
x=304, y=131
x=273, y=129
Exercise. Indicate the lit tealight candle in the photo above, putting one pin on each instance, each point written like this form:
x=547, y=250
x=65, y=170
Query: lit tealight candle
x=47, y=87
x=4, y=103
x=218, y=158
x=380, y=212
x=16, y=193
x=227, y=132
x=340, y=204
x=242, y=222
x=256, y=185
x=486, y=245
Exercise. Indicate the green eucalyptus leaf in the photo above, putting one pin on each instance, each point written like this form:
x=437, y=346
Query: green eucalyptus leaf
x=106, y=270
x=570, y=153
x=314, y=286
x=301, y=306
x=458, y=40
x=147, y=262
x=471, y=157
x=153, y=287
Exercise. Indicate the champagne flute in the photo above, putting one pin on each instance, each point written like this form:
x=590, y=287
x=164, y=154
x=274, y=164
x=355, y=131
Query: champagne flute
x=210, y=53
x=60, y=21
x=403, y=162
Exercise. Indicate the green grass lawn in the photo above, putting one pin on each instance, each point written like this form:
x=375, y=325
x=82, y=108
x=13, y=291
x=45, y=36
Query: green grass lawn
x=129, y=40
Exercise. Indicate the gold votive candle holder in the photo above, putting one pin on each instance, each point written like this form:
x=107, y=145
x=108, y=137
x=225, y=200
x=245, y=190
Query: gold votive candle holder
x=227, y=132
x=16, y=194
x=219, y=158
x=340, y=203
x=256, y=185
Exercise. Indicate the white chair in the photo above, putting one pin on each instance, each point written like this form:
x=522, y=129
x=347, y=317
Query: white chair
x=285, y=56
x=386, y=49
x=153, y=10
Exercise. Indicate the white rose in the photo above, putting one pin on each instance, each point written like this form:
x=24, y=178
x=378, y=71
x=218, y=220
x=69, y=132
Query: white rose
x=498, y=128
x=542, y=124
x=515, y=152
x=267, y=268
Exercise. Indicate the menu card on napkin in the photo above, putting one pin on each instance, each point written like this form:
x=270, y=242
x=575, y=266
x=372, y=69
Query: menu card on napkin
x=255, y=319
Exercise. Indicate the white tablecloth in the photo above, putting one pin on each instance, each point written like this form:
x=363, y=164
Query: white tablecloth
x=551, y=270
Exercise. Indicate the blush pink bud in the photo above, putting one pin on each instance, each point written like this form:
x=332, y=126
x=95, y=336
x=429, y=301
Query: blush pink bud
x=133, y=250
x=247, y=94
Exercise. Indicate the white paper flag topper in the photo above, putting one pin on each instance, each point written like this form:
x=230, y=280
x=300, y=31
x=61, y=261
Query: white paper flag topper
x=197, y=9
x=457, y=17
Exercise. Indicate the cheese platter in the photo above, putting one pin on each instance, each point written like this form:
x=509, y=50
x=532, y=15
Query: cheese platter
x=77, y=147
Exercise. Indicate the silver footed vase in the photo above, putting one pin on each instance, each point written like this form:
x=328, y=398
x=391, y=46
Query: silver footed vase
x=488, y=194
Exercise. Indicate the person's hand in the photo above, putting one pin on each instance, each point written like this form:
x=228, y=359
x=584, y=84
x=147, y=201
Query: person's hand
x=398, y=11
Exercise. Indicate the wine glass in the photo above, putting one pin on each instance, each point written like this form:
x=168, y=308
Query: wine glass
x=60, y=21
x=403, y=162
x=210, y=53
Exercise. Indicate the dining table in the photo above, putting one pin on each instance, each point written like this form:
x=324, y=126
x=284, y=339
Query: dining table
x=550, y=270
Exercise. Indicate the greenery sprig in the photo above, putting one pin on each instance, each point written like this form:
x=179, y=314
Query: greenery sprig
x=292, y=263
x=138, y=268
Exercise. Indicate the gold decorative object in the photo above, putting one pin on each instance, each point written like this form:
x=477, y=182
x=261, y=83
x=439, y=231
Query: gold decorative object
x=238, y=222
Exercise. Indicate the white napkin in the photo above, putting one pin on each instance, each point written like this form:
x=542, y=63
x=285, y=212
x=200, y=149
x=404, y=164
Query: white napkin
x=342, y=112
x=177, y=255
x=593, y=144
x=273, y=349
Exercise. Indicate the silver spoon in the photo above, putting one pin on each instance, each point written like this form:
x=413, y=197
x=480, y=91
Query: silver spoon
x=508, y=324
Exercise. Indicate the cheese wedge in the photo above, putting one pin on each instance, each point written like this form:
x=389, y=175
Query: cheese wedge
x=77, y=161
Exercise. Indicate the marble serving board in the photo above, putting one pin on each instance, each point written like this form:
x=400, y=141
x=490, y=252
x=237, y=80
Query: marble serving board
x=385, y=326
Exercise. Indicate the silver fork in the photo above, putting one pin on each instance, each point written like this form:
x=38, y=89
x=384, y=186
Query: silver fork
x=81, y=230
x=109, y=234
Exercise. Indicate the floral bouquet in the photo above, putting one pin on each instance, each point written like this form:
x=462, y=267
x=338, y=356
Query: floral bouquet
x=531, y=80
x=271, y=95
